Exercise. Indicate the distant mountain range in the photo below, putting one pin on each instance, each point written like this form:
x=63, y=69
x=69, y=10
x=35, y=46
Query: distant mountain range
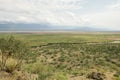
x=41, y=27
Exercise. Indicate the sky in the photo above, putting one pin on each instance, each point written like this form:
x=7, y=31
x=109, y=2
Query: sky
x=69, y=13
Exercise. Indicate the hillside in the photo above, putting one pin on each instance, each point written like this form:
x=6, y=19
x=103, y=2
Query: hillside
x=67, y=57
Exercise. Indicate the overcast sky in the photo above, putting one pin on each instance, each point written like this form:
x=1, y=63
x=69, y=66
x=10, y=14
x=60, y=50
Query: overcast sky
x=97, y=13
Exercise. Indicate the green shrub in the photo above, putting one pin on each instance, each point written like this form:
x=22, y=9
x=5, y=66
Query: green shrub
x=117, y=78
x=96, y=76
x=41, y=69
x=59, y=76
x=11, y=65
x=13, y=48
x=117, y=74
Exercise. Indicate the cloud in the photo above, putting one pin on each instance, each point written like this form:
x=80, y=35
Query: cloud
x=109, y=17
x=62, y=12
x=38, y=10
x=114, y=5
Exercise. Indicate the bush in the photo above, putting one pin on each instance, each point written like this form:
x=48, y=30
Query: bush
x=12, y=48
x=41, y=69
x=117, y=74
x=96, y=76
x=11, y=65
x=59, y=76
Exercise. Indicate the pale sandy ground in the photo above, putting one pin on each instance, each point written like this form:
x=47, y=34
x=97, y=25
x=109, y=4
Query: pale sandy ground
x=69, y=32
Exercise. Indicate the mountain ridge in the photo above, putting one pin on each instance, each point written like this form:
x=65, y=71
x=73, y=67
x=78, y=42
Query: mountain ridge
x=45, y=27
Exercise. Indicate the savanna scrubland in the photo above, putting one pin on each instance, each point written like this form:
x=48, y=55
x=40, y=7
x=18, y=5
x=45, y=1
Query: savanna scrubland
x=60, y=56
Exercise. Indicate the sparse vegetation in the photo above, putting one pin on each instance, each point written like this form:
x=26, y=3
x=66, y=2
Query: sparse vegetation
x=67, y=57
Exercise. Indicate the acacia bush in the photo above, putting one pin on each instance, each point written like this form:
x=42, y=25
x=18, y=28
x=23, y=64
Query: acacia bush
x=12, y=48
